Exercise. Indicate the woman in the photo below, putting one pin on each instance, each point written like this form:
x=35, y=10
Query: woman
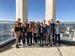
x=17, y=30
x=29, y=34
x=41, y=31
x=38, y=37
x=23, y=33
x=35, y=33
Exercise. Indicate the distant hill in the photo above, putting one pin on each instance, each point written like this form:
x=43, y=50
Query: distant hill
x=2, y=21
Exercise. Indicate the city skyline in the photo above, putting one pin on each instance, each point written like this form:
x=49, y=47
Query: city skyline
x=36, y=10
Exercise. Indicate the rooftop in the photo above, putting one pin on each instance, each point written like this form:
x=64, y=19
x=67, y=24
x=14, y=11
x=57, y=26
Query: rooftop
x=40, y=51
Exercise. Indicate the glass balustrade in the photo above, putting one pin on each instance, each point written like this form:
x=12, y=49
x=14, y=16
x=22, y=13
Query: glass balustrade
x=5, y=30
x=67, y=31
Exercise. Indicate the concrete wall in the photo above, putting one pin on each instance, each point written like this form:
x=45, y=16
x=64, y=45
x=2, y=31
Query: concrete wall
x=50, y=10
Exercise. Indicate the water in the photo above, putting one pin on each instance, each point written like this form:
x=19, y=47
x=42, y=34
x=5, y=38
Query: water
x=5, y=30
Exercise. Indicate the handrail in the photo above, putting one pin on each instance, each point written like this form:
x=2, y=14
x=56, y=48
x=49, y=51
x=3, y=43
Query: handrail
x=6, y=42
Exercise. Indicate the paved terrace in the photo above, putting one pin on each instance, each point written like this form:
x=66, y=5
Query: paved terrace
x=63, y=50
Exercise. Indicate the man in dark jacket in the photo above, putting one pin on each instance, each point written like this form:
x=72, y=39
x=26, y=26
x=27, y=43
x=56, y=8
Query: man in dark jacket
x=53, y=31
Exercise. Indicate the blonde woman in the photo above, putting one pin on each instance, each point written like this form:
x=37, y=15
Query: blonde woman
x=17, y=33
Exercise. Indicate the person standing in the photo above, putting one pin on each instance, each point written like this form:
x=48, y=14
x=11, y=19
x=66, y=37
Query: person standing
x=53, y=31
x=57, y=33
x=49, y=33
x=17, y=30
x=41, y=31
x=45, y=31
x=27, y=25
x=19, y=22
x=29, y=34
x=23, y=33
x=35, y=33
x=38, y=37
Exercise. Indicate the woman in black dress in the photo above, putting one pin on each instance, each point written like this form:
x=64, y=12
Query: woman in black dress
x=17, y=33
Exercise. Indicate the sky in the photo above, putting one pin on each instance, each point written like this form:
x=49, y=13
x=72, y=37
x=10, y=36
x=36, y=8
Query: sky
x=65, y=10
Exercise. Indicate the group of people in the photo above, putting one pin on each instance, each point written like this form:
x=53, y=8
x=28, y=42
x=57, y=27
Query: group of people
x=38, y=33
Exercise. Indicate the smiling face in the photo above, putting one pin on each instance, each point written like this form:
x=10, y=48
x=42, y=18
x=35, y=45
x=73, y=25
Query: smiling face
x=44, y=21
x=49, y=22
x=57, y=23
x=41, y=24
x=19, y=19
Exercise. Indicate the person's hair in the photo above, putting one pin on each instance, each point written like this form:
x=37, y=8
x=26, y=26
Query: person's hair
x=44, y=20
x=49, y=21
x=58, y=21
x=38, y=24
x=31, y=24
x=19, y=19
x=41, y=23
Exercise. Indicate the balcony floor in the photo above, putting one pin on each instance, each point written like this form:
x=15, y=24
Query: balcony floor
x=40, y=51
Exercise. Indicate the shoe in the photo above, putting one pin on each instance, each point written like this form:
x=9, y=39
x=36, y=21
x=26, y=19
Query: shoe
x=36, y=44
x=30, y=44
x=42, y=45
x=50, y=45
x=46, y=44
x=23, y=45
x=26, y=45
x=59, y=44
x=17, y=46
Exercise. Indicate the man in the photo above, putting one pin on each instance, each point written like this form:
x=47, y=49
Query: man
x=49, y=33
x=45, y=30
x=41, y=32
x=53, y=31
x=57, y=33
x=27, y=34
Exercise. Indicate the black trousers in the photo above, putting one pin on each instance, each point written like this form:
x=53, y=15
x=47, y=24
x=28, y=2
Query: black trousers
x=53, y=38
x=35, y=37
x=23, y=38
x=45, y=38
x=57, y=38
x=41, y=38
x=29, y=38
x=38, y=38
x=49, y=39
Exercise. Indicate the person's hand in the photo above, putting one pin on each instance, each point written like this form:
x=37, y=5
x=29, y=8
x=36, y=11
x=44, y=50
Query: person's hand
x=37, y=35
x=25, y=34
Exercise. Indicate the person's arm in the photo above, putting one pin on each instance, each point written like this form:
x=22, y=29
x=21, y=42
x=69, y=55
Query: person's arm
x=14, y=28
